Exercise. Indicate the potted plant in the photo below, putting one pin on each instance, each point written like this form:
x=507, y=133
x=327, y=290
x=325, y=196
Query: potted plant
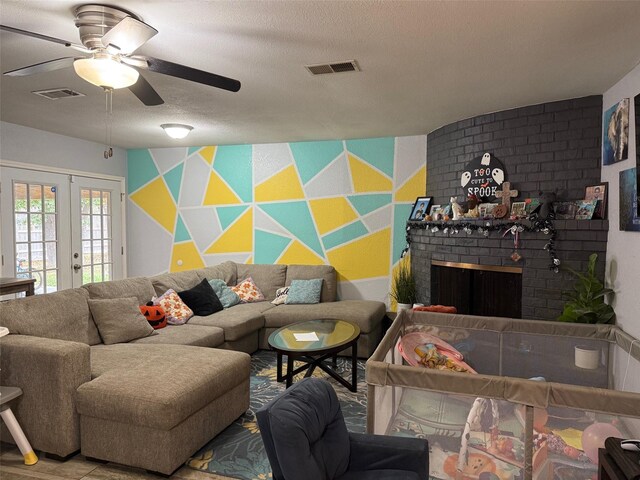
x=403, y=287
x=586, y=301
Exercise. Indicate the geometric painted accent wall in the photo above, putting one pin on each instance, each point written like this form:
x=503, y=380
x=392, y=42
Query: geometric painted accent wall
x=343, y=203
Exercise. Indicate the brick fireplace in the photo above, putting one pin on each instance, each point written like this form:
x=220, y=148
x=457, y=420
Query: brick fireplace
x=549, y=147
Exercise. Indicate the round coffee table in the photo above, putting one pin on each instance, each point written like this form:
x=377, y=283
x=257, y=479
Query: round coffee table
x=317, y=340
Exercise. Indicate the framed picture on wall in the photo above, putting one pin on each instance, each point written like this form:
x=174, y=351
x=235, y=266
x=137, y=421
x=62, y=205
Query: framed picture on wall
x=420, y=209
x=598, y=193
x=636, y=103
x=615, y=133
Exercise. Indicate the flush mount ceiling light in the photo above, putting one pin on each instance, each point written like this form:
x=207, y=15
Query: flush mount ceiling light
x=106, y=71
x=176, y=130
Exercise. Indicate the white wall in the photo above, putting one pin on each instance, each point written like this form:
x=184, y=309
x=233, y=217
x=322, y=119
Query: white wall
x=623, y=249
x=28, y=145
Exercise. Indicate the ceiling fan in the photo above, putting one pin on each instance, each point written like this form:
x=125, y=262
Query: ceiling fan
x=110, y=36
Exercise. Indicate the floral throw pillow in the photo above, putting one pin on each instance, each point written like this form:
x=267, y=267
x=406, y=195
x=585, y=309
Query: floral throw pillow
x=248, y=291
x=281, y=296
x=177, y=312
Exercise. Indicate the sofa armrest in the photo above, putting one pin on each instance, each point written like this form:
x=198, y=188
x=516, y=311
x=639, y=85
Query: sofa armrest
x=372, y=452
x=48, y=371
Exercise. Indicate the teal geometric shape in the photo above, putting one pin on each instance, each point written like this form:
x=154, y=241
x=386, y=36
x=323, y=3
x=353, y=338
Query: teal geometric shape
x=192, y=150
x=344, y=235
x=140, y=168
x=312, y=157
x=400, y=216
x=368, y=203
x=269, y=246
x=233, y=163
x=182, y=234
x=173, y=178
x=295, y=217
x=228, y=215
x=378, y=152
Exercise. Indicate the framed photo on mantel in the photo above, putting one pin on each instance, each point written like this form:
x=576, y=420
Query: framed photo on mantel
x=420, y=209
x=598, y=193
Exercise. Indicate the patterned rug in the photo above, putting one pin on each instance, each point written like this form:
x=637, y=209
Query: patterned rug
x=238, y=451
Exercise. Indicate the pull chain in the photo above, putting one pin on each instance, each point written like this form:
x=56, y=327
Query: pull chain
x=108, y=151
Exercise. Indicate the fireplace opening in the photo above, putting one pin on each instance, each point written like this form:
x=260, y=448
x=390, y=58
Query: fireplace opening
x=477, y=289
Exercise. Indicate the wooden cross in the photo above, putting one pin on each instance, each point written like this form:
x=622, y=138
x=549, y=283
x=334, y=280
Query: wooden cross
x=506, y=195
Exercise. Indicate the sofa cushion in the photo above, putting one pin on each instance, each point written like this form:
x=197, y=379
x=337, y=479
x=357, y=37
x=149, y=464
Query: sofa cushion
x=177, y=312
x=201, y=299
x=162, y=385
x=228, y=298
x=62, y=315
x=139, y=287
x=308, y=272
x=281, y=296
x=119, y=319
x=367, y=314
x=268, y=278
x=194, y=335
x=237, y=321
x=225, y=271
x=177, y=281
x=248, y=291
x=304, y=291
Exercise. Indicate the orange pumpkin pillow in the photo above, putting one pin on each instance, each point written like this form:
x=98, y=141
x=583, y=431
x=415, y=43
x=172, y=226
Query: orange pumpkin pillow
x=154, y=314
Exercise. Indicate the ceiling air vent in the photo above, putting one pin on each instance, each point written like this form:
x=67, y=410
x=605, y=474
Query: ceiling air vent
x=58, y=93
x=336, y=67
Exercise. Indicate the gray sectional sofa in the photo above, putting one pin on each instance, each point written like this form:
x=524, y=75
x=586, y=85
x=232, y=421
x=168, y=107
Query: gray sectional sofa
x=154, y=401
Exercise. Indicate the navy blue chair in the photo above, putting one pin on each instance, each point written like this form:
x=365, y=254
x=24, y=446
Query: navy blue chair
x=305, y=437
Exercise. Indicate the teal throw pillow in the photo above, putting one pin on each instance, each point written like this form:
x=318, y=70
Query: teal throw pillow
x=304, y=291
x=227, y=297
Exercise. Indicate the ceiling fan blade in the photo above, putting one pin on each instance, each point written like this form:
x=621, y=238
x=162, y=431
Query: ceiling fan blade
x=48, y=66
x=135, y=61
x=47, y=38
x=192, y=74
x=128, y=35
x=146, y=93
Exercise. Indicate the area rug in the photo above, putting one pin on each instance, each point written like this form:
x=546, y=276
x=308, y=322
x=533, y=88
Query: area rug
x=238, y=451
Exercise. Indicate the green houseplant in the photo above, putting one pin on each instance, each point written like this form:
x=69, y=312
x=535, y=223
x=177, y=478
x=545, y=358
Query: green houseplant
x=586, y=301
x=403, y=287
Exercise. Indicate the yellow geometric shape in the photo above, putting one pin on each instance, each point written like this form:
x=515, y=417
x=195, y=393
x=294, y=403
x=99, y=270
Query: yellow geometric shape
x=218, y=193
x=284, y=185
x=366, y=178
x=331, y=213
x=237, y=238
x=158, y=203
x=298, y=253
x=367, y=257
x=185, y=256
x=414, y=187
x=207, y=153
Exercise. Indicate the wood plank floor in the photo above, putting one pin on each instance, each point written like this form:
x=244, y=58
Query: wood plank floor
x=12, y=467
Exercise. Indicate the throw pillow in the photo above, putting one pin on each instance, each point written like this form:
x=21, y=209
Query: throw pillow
x=201, y=299
x=178, y=313
x=227, y=296
x=304, y=291
x=155, y=315
x=119, y=319
x=281, y=296
x=248, y=291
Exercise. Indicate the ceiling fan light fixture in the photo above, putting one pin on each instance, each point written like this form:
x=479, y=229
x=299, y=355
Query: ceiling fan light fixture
x=176, y=130
x=106, y=72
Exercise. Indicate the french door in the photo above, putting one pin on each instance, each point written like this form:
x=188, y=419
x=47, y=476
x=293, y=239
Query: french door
x=62, y=230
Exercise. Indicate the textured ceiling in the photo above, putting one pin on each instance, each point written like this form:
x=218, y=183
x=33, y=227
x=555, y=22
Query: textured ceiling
x=424, y=64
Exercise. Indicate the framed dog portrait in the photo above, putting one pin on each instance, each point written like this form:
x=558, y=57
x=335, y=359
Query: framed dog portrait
x=420, y=209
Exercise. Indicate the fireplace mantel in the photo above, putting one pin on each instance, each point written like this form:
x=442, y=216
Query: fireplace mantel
x=541, y=287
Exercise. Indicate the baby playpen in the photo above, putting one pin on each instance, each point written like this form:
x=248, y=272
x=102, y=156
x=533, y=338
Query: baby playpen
x=529, y=400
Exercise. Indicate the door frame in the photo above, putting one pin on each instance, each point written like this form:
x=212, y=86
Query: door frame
x=82, y=173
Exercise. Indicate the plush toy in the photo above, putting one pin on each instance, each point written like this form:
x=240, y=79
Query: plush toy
x=154, y=314
x=456, y=209
x=472, y=203
x=545, y=209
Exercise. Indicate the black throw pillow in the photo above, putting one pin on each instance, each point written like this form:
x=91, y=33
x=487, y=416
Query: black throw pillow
x=201, y=299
